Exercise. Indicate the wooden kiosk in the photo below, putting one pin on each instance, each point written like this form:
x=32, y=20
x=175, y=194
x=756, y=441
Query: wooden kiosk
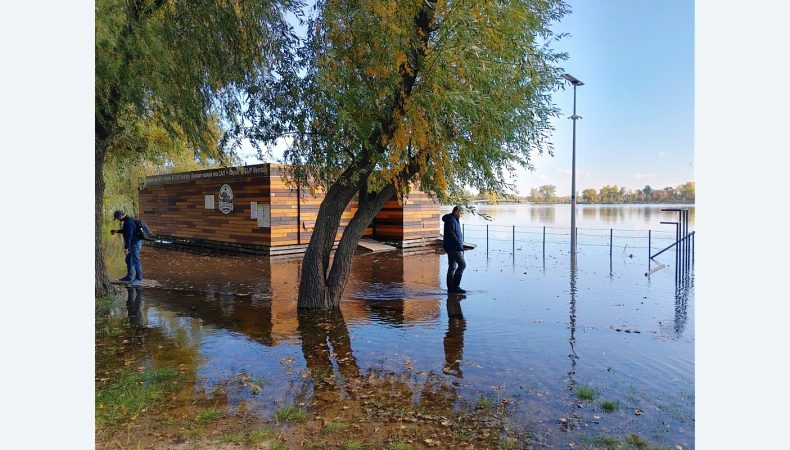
x=252, y=209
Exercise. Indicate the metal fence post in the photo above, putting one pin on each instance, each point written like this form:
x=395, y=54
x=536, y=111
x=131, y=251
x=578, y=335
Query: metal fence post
x=514, y=241
x=611, y=236
x=649, y=247
x=486, y=238
x=544, y=242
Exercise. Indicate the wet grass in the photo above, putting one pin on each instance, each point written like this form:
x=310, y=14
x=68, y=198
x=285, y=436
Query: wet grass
x=195, y=432
x=169, y=422
x=207, y=416
x=484, y=402
x=612, y=443
x=237, y=438
x=507, y=443
x=637, y=441
x=103, y=307
x=585, y=392
x=353, y=445
x=290, y=414
x=250, y=439
x=603, y=441
x=132, y=393
x=333, y=427
x=610, y=405
x=105, y=304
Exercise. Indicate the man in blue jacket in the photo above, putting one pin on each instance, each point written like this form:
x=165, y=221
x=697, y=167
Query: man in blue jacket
x=453, y=244
x=132, y=243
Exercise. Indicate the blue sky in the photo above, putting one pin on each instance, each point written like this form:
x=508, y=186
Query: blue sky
x=636, y=58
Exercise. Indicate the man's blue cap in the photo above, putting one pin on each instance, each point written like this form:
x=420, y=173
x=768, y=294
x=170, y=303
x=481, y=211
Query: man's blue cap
x=118, y=213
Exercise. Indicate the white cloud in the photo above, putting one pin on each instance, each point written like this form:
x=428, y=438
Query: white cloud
x=543, y=178
x=644, y=176
x=564, y=171
x=662, y=153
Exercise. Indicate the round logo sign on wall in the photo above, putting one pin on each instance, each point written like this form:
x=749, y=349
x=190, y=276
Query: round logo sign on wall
x=225, y=199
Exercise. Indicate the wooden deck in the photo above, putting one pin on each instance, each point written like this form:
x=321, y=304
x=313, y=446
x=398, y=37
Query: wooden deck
x=370, y=245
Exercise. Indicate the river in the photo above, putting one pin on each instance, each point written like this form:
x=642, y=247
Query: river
x=530, y=330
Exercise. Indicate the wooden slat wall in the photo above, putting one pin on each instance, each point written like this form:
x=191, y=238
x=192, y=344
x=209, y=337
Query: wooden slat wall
x=177, y=210
x=417, y=218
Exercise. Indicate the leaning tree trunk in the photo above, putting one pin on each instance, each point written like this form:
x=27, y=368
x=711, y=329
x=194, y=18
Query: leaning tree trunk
x=313, y=290
x=319, y=286
x=103, y=286
x=341, y=264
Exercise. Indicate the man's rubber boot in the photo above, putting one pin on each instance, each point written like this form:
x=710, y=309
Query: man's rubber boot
x=457, y=283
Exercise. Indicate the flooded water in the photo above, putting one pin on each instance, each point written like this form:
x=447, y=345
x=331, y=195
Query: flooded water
x=531, y=330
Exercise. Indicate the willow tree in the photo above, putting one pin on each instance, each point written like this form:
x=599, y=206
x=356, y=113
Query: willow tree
x=390, y=94
x=180, y=66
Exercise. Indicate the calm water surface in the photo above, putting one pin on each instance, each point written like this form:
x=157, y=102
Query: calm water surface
x=529, y=330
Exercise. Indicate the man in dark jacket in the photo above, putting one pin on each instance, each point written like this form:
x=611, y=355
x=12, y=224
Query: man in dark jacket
x=453, y=244
x=132, y=244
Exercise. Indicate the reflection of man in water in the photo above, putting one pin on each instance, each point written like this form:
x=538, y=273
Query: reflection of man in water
x=134, y=303
x=454, y=339
x=453, y=243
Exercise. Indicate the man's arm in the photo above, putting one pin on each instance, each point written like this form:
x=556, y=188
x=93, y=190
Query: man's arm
x=459, y=239
x=128, y=232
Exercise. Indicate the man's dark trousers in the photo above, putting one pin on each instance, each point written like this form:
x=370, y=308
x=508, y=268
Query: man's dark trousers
x=455, y=268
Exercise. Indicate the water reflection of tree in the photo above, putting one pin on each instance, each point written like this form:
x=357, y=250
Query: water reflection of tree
x=589, y=212
x=325, y=334
x=611, y=214
x=392, y=403
x=542, y=215
x=454, y=338
x=150, y=341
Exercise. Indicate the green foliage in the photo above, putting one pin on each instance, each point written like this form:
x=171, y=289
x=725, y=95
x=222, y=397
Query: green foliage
x=289, y=413
x=604, y=441
x=231, y=437
x=353, y=445
x=207, y=416
x=590, y=196
x=448, y=94
x=179, y=65
x=610, y=405
x=484, y=402
x=250, y=439
x=585, y=392
x=335, y=426
x=614, y=194
x=507, y=443
x=548, y=193
x=168, y=75
x=637, y=441
x=399, y=446
x=131, y=393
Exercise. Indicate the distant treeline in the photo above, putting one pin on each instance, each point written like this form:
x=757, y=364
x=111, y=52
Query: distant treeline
x=608, y=194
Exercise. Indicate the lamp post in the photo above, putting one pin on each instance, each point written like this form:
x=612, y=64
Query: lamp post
x=575, y=82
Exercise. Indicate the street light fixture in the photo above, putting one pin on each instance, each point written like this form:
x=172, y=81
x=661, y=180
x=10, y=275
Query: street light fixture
x=575, y=82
